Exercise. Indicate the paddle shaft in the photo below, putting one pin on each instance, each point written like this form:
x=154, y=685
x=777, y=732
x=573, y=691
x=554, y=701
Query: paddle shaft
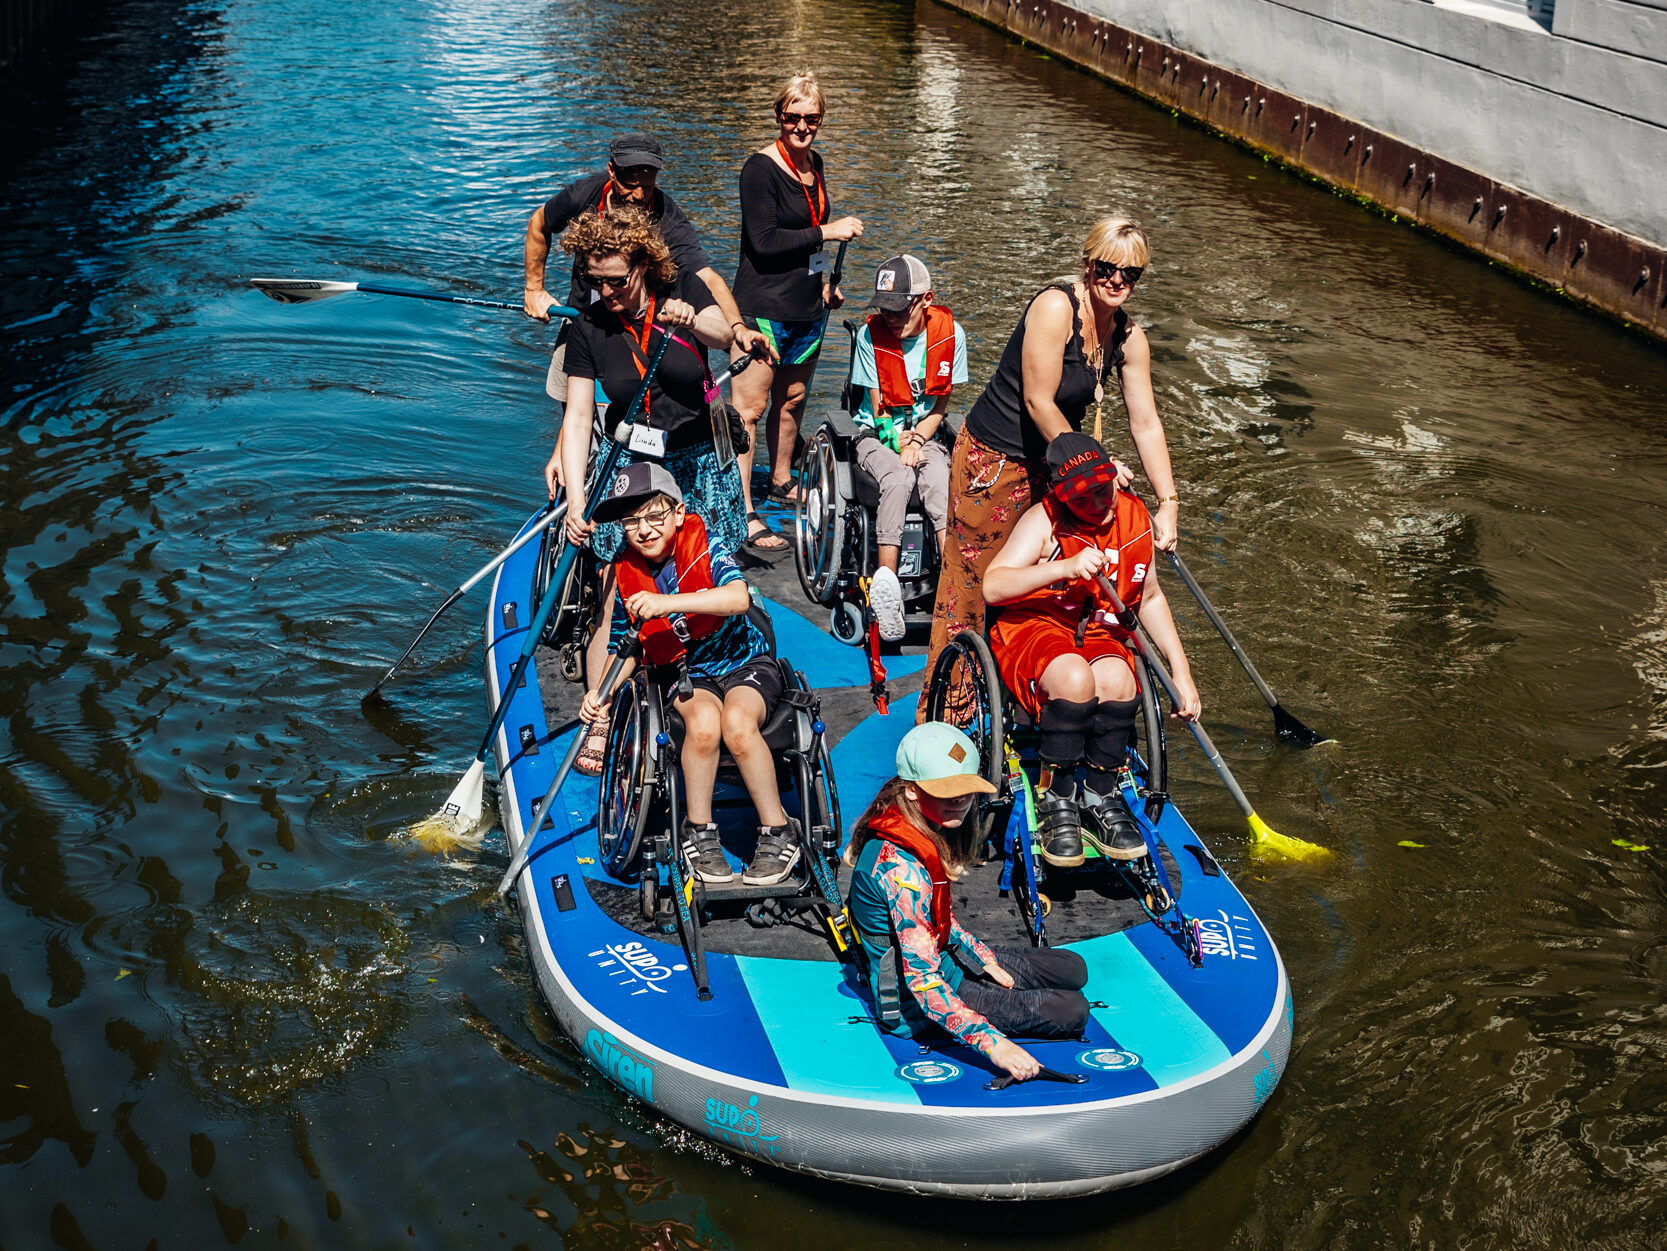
x=559, y=310
x=558, y=579
x=553, y=513
x=1286, y=724
x=1143, y=641
x=542, y=812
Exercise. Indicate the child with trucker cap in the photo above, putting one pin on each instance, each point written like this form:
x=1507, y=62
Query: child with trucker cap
x=924, y=970
x=688, y=602
x=906, y=359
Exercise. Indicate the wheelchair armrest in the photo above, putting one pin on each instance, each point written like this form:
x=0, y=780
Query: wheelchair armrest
x=845, y=430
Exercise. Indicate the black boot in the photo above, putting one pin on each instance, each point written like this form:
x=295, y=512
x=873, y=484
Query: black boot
x=1111, y=826
x=1059, y=829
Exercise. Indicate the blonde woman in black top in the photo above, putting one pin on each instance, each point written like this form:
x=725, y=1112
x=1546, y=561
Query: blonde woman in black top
x=782, y=284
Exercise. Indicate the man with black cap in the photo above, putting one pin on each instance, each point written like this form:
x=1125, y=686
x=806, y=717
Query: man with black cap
x=905, y=360
x=1063, y=656
x=688, y=604
x=631, y=178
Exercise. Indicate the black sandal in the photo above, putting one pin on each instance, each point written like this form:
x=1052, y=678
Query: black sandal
x=788, y=494
x=756, y=542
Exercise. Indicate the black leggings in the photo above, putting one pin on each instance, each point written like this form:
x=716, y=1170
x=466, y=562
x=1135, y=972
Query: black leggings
x=1046, y=1000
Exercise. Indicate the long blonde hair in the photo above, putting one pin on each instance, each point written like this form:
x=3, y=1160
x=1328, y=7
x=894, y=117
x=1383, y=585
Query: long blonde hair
x=895, y=794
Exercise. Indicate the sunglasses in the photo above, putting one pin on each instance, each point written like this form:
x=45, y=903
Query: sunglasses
x=1105, y=271
x=606, y=282
x=633, y=176
x=655, y=517
x=813, y=120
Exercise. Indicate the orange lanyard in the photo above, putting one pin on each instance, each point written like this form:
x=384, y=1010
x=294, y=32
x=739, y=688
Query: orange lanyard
x=639, y=345
x=602, y=204
x=816, y=219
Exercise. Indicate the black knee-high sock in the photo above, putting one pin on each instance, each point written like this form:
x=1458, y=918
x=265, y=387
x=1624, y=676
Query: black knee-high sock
x=1108, y=743
x=1065, y=729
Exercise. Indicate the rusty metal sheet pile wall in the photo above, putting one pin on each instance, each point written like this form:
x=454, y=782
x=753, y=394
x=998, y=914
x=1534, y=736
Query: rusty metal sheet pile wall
x=1584, y=259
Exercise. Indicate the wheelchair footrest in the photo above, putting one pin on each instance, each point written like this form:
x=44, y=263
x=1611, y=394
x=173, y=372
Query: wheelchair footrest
x=718, y=892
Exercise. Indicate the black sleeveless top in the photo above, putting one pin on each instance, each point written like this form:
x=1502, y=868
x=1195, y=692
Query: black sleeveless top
x=999, y=419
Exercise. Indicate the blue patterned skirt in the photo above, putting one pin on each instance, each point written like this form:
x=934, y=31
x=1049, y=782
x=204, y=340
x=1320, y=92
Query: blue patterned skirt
x=712, y=493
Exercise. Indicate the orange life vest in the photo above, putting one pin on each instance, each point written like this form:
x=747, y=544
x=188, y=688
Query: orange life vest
x=665, y=639
x=1127, y=542
x=896, y=390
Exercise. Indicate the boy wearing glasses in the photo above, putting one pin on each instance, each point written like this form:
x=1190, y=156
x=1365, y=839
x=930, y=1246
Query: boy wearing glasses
x=689, y=605
x=907, y=358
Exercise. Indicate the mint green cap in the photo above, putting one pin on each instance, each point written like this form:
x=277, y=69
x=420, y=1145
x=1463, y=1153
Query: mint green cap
x=942, y=761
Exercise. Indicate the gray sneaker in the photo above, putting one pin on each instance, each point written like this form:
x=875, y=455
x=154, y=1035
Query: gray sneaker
x=885, y=599
x=705, y=854
x=778, y=852
x=1111, y=826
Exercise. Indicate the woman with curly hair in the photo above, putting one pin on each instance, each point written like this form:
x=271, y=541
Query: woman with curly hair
x=641, y=297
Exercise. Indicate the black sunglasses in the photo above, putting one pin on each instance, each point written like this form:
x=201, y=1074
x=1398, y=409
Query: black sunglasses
x=605, y=282
x=1105, y=271
x=813, y=120
x=633, y=175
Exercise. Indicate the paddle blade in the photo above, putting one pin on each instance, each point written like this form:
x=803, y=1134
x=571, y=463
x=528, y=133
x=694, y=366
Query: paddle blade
x=459, y=823
x=1293, y=731
x=300, y=290
x=1269, y=842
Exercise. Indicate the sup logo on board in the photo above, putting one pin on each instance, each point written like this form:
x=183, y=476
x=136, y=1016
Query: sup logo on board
x=635, y=967
x=1224, y=935
x=1108, y=1059
x=929, y=1072
x=741, y=1127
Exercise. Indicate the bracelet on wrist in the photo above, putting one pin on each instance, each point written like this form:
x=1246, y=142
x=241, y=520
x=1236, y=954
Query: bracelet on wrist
x=1168, y=499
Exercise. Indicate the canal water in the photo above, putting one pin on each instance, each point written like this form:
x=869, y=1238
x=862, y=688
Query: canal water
x=236, y=1007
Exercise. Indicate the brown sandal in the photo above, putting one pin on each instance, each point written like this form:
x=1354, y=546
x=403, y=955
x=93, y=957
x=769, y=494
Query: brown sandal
x=595, y=751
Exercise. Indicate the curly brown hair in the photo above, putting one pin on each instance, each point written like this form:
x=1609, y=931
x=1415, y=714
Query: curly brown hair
x=626, y=232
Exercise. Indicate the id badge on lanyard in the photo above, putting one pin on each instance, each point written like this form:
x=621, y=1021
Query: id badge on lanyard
x=818, y=263
x=647, y=441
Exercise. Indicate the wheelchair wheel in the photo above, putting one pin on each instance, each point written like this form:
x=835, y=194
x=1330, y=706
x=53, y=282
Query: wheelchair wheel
x=625, y=796
x=819, y=520
x=845, y=623
x=965, y=691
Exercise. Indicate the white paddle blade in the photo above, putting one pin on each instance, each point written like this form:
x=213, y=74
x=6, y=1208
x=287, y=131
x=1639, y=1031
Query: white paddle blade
x=300, y=290
x=463, y=805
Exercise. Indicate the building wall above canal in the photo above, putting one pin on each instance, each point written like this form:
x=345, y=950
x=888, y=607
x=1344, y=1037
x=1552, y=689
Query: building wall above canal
x=1540, y=148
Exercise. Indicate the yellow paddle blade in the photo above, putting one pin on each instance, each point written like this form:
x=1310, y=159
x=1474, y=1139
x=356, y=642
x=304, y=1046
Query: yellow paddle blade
x=441, y=833
x=1267, y=841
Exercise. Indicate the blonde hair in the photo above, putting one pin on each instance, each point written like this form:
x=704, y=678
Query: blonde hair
x=626, y=232
x=1116, y=236
x=894, y=794
x=801, y=86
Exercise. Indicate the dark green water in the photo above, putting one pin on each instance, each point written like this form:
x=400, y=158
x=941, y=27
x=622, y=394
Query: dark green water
x=234, y=1009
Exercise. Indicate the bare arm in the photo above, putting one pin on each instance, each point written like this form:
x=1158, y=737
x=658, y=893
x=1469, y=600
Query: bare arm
x=536, y=301
x=729, y=600
x=742, y=335
x=1047, y=331
x=1146, y=429
x=1018, y=568
x=1154, y=614
x=573, y=449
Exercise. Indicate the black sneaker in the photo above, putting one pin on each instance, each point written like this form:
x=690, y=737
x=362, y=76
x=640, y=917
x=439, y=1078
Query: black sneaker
x=704, y=854
x=1111, y=827
x=1060, y=830
x=778, y=852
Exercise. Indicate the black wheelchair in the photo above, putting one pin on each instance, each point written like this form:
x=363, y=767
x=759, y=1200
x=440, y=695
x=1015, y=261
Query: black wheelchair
x=639, y=820
x=965, y=690
x=573, y=622
x=833, y=542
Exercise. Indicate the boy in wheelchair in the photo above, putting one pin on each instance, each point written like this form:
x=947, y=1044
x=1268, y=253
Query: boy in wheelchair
x=690, y=605
x=904, y=362
x=1064, y=658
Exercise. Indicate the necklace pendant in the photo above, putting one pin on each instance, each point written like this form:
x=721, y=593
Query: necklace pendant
x=1099, y=393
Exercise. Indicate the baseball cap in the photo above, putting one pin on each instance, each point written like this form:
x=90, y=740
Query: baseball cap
x=898, y=281
x=633, y=487
x=942, y=761
x=636, y=149
x=1077, y=465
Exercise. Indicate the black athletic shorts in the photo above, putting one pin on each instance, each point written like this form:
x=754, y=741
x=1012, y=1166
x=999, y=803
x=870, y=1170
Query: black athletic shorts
x=761, y=673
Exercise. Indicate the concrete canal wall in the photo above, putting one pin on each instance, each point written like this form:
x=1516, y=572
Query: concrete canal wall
x=1532, y=132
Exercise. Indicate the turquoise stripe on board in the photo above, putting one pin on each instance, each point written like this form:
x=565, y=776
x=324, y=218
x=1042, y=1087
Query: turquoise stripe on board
x=1145, y=1016
x=806, y=1017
